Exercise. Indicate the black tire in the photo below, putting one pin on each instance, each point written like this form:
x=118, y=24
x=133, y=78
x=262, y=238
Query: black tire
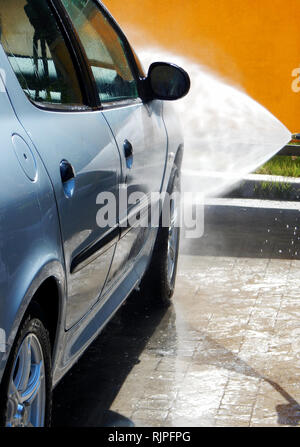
x=32, y=324
x=157, y=282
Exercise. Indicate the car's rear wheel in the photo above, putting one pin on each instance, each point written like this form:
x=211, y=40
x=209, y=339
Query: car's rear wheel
x=159, y=280
x=26, y=386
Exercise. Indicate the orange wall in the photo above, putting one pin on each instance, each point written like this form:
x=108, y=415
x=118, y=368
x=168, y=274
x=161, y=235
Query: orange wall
x=253, y=43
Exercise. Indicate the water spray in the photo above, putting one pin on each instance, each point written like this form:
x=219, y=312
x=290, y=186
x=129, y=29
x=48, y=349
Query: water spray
x=227, y=134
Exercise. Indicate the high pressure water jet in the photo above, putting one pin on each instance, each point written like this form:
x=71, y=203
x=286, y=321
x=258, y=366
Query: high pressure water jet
x=227, y=133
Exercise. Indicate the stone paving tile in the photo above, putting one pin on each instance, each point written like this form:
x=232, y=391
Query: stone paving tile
x=236, y=399
x=231, y=422
x=235, y=413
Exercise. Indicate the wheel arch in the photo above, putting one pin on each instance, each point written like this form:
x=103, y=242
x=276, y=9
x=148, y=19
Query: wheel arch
x=48, y=299
x=51, y=275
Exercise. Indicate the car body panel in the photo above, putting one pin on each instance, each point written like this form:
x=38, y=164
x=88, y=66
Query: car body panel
x=79, y=337
x=29, y=227
x=85, y=140
x=175, y=139
x=142, y=125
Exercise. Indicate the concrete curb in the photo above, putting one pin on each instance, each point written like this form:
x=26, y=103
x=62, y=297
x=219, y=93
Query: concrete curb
x=267, y=187
x=249, y=227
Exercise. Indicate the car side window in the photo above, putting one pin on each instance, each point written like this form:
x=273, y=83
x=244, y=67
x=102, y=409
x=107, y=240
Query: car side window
x=38, y=53
x=104, y=50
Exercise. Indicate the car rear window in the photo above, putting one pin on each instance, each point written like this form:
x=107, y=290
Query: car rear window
x=37, y=52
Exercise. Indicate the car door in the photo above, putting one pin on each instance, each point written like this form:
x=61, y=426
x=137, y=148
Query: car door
x=138, y=127
x=50, y=95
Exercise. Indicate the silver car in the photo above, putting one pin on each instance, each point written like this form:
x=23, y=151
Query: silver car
x=83, y=130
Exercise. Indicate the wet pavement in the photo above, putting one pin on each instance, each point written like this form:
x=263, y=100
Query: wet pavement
x=226, y=353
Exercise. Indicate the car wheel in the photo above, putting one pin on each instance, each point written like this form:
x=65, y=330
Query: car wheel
x=159, y=280
x=26, y=385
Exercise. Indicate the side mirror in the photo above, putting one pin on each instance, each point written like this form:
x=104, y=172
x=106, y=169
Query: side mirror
x=168, y=81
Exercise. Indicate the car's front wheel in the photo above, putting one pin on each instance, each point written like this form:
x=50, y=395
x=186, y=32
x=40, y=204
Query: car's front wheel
x=159, y=280
x=26, y=385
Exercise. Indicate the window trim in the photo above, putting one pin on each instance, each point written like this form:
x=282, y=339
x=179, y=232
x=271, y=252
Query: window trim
x=121, y=103
x=49, y=107
x=127, y=51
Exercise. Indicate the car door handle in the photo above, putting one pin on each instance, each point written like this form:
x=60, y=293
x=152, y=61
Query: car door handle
x=128, y=149
x=128, y=152
x=67, y=172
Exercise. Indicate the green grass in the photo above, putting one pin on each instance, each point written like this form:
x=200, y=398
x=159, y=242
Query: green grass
x=281, y=165
x=267, y=188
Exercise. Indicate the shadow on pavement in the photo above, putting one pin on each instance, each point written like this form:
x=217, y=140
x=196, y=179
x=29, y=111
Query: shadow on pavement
x=212, y=353
x=237, y=231
x=85, y=394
